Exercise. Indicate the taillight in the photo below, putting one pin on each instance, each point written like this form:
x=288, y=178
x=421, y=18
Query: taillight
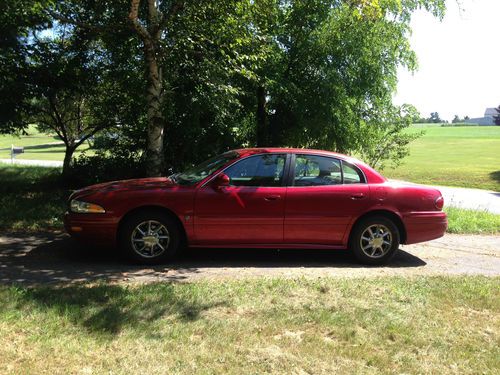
x=439, y=202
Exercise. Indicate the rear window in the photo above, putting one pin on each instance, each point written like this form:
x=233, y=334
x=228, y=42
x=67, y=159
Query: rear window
x=352, y=174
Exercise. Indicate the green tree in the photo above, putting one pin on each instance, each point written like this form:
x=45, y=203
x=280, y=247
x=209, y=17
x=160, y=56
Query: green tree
x=333, y=72
x=18, y=18
x=150, y=28
x=435, y=118
x=174, y=37
x=384, y=140
x=53, y=77
x=207, y=76
x=150, y=22
x=65, y=90
x=496, y=119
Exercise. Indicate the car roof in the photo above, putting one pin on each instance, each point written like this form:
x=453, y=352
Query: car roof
x=286, y=150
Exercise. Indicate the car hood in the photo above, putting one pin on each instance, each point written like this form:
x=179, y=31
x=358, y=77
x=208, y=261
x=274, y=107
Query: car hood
x=125, y=185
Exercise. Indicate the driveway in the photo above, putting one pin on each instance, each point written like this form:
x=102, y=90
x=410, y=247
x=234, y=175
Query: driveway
x=475, y=199
x=54, y=259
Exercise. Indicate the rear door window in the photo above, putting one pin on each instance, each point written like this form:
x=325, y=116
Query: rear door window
x=313, y=170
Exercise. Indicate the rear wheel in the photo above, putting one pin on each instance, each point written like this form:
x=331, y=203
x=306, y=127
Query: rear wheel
x=375, y=240
x=150, y=237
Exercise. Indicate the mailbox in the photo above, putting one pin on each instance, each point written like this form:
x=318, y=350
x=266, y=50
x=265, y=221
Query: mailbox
x=17, y=150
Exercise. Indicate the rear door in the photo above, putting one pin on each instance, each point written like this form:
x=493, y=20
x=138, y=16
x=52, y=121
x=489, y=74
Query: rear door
x=324, y=196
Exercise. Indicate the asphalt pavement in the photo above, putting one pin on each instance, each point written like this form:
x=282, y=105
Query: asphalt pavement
x=48, y=258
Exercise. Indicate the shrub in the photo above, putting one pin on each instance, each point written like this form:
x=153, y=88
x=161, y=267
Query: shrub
x=88, y=170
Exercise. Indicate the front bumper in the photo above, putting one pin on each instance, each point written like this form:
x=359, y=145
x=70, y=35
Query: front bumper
x=99, y=229
x=424, y=226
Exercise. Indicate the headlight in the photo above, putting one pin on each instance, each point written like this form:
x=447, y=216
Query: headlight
x=85, y=207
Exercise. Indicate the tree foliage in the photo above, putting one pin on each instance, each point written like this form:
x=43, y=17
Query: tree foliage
x=496, y=119
x=206, y=76
x=18, y=18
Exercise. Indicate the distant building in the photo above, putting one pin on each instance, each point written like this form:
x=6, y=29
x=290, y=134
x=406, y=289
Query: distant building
x=487, y=119
x=490, y=112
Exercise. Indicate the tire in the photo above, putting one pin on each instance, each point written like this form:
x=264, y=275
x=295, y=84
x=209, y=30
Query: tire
x=150, y=237
x=375, y=240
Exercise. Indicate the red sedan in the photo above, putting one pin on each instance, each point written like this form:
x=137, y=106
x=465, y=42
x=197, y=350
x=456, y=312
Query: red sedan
x=259, y=198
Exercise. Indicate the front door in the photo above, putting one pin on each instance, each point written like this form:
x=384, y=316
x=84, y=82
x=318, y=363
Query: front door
x=248, y=211
x=325, y=196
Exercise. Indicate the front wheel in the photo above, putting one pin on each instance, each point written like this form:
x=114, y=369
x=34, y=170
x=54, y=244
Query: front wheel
x=150, y=237
x=375, y=240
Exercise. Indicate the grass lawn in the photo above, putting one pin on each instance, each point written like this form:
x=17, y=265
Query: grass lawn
x=37, y=146
x=460, y=156
x=471, y=221
x=433, y=325
x=33, y=138
x=47, y=152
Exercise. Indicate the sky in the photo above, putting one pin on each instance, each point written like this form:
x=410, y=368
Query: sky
x=458, y=58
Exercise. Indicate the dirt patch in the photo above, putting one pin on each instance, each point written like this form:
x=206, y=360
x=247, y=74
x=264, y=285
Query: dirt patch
x=54, y=258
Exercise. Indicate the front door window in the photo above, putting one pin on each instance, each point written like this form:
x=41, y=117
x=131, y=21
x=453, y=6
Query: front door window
x=258, y=170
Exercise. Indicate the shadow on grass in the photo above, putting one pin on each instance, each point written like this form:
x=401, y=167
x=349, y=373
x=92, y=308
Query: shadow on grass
x=52, y=150
x=23, y=178
x=45, y=146
x=108, y=309
x=496, y=176
x=31, y=197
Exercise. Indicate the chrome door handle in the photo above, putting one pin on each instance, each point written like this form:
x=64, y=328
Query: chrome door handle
x=272, y=197
x=357, y=196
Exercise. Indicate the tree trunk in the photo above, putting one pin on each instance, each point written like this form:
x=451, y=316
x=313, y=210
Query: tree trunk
x=156, y=121
x=262, y=123
x=150, y=37
x=68, y=156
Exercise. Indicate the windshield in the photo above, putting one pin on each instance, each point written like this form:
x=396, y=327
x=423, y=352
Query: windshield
x=203, y=170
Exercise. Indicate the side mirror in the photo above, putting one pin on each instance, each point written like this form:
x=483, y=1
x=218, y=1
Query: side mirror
x=222, y=180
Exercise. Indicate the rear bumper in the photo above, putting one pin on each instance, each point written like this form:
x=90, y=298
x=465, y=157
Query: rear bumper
x=424, y=226
x=98, y=229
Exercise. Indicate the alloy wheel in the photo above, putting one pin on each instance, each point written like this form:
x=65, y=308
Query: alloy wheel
x=376, y=241
x=150, y=239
